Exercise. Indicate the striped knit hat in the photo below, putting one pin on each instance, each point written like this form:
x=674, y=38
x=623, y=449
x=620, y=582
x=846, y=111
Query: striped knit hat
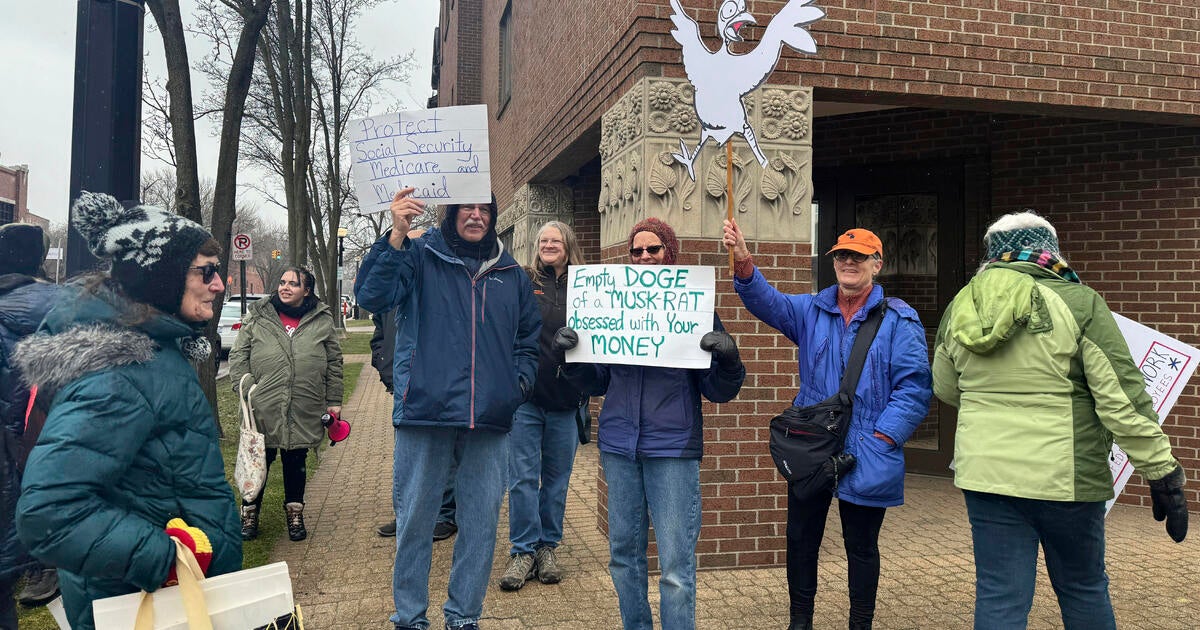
x=1020, y=230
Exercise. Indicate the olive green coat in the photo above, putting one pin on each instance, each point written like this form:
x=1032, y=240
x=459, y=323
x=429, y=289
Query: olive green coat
x=298, y=376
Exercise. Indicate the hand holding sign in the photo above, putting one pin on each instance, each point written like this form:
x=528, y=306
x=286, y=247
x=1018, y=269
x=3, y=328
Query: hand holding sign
x=404, y=208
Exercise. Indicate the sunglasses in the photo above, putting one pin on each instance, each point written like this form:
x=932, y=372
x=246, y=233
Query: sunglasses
x=636, y=252
x=207, y=271
x=842, y=256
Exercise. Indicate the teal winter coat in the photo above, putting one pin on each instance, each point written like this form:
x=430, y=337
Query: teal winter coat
x=129, y=443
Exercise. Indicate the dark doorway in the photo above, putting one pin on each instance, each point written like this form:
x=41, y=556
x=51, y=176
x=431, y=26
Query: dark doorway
x=917, y=210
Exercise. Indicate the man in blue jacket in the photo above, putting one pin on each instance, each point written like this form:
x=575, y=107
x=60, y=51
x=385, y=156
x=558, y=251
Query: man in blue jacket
x=24, y=301
x=467, y=327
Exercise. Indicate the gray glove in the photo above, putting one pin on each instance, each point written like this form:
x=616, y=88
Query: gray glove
x=723, y=348
x=565, y=339
x=1166, y=495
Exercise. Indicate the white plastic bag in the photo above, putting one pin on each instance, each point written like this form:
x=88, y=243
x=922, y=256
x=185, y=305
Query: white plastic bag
x=250, y=471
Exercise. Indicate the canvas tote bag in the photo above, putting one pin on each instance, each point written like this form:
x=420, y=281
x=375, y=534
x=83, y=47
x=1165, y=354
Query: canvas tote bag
x=250, y=470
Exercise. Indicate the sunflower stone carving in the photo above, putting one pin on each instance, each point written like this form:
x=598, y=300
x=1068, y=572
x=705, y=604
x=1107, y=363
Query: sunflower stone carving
x=640, y=178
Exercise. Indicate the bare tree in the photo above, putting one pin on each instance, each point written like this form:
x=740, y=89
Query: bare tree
x=247, y=17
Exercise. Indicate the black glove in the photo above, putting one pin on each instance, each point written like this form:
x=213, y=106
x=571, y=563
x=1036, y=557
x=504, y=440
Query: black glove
x=840, y=465
x=723, y=348
x=565, y=339
x=1169, y=503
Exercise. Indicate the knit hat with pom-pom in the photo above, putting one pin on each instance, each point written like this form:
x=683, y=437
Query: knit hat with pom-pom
x=151, y=249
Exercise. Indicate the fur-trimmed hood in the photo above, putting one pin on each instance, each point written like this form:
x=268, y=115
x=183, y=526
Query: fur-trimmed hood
x=54, y=361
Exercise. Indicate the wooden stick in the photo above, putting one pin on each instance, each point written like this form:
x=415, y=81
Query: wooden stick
x=729, y=191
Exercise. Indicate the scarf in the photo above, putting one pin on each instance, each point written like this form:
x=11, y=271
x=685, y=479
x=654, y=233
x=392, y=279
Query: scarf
x=298, y=311
x=1042, y=258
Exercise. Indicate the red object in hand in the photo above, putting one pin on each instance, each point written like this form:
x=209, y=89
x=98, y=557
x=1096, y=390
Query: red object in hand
x=192, y=538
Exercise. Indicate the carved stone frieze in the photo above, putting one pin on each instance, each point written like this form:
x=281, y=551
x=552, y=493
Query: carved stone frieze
x=533, y=205
x=640, y=177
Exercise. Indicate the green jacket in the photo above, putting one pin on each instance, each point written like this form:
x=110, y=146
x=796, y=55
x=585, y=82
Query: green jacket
x=129, y=443
x=1043, y=382
x=298, y=376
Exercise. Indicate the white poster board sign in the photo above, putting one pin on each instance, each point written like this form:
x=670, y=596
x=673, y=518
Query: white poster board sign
x=441, y=152
x=1166, y=365
x=649, y=315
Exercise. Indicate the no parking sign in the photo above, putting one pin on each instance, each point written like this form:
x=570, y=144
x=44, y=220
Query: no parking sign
x=242, y=249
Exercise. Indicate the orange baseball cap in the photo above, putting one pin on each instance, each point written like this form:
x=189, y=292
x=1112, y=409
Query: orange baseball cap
x=859, y=240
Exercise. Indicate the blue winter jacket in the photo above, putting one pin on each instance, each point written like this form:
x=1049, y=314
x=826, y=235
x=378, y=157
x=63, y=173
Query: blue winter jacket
x=893, y=392
x=129, y=443
x=466, y=346
x=655, y=411
x=23, y=304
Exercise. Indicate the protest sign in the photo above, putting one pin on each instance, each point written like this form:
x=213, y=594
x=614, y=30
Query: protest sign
x=442, y=152
x=1166, y=365
x=641, y=314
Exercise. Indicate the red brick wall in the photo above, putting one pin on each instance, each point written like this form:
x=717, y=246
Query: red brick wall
x=1125, y=199
x=1082, y=58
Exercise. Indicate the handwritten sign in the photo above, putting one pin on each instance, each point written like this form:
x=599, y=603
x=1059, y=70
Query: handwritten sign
x=1166, y=365
x=442, y=152
x=641, y=314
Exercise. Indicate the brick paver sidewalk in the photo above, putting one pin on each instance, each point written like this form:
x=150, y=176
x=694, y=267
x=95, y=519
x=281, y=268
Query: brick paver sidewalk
x=342, y=573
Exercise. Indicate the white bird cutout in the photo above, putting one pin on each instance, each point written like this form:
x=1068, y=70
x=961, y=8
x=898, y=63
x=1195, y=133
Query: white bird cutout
x=722, y=78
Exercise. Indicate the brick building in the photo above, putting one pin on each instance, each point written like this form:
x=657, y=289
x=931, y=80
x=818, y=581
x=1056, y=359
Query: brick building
x=920, y=120
x=14, y=197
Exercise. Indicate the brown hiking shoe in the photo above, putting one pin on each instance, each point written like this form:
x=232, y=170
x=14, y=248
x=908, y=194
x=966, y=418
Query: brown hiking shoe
x=295, y=521
x=521, y=568
x=547, y=566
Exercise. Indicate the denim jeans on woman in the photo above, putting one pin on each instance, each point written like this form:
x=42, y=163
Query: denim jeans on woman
x=541, y=453
x=1006, y=532
x=665, y=491
x=423, y=458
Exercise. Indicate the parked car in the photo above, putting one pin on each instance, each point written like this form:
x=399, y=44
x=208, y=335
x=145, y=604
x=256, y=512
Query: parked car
x=231, y=320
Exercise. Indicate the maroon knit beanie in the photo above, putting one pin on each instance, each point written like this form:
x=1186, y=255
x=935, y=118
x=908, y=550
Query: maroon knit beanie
x=664, y=234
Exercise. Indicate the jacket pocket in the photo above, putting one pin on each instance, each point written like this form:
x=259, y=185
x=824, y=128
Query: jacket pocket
x=879, y=473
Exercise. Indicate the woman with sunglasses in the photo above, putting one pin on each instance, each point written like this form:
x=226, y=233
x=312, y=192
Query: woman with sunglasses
x=891, y=399
x=651, y=439
x=129, y=445
x=288, y=346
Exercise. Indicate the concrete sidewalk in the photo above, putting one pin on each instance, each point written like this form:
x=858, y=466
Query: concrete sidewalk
x=342, y=573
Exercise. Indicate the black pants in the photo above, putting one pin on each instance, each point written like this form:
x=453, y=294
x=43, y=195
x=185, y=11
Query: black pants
x=860, y=533
x=294, y=474
x=8, y=605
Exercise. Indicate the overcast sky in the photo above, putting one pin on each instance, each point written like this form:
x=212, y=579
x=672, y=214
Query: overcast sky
x=37, y=57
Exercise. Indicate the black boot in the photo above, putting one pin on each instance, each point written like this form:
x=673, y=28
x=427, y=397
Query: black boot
x=801, y=623
x=860, y=625
x=295, y=521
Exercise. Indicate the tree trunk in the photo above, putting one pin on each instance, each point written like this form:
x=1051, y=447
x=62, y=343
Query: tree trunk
x=182, y=116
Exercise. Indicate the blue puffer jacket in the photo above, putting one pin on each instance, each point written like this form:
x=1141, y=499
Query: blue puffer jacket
x=466, y=346
x=893, y=392
x=129, y=443
x=655, y=411
x=23, y=304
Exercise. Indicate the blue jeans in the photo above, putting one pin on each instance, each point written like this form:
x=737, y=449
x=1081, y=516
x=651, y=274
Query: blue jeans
x=541, y=453
x=1006, y=532
x=422, y=461
x=665, y=490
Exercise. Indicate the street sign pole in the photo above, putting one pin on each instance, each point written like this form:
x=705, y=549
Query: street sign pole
x=243, y=250
x=242, y=264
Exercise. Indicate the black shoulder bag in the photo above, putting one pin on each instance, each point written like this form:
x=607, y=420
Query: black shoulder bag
x=807, y=442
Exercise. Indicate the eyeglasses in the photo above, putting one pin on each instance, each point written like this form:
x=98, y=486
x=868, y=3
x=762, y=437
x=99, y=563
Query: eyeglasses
x=207, y=271
x=636, y=252
x=843, y=255
x=550, y=241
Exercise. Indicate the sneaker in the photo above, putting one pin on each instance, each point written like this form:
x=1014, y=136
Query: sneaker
x=547, y=566
x=41, y=586
x=387, y=530
x=444, y=529
x=466, y=626
x=521, y=567
x=249, y=522
x=295, y=521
